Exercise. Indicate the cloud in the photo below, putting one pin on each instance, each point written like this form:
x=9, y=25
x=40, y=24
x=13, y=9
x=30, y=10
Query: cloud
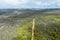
x=58, y=2
x=41, y=3
x=14, y=2
x=38, y=2
x=47, y=2
x=29, y=3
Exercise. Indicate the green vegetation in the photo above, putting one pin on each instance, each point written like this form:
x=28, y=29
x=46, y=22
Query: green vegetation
x=47, y=27
x=25, y=32
x=17, y=24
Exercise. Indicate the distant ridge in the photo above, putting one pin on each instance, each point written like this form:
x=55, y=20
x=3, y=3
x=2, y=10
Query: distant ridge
x=33, y=10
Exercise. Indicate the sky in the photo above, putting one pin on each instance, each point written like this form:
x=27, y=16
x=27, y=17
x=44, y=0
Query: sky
x=4, y=4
